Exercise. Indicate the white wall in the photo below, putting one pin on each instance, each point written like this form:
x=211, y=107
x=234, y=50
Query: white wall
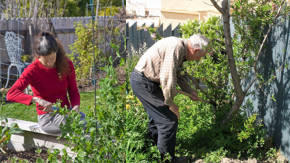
x=138, y=7
x=154, y=7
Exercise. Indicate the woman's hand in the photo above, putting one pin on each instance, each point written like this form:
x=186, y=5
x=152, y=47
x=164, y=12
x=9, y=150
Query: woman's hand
x=47, y=106
x=76, y=108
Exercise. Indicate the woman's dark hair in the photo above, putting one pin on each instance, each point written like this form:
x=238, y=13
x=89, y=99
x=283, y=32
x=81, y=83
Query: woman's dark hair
x=46, y=43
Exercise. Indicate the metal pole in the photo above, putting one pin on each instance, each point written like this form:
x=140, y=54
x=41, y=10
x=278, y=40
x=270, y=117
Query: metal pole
x=94, y=60
x=97, y=9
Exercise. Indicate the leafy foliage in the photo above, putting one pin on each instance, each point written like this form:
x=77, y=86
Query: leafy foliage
x=213, y=70
x=82, y=52
x=39, y=8
x=101, y=136
x=251, y=20
x=101, y=41
x=6, y=132
x=203, y=134
x=74, y=7
x=57, y=8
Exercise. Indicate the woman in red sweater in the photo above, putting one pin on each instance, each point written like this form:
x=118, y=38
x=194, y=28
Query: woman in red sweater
x=52, y=77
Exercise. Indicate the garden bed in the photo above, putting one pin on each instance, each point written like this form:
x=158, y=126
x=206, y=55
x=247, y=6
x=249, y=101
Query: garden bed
x=33, y=154
x=30, y=155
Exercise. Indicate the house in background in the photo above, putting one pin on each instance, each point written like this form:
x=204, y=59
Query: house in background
x=146, y=12
x=179, y=11
x=167, y=12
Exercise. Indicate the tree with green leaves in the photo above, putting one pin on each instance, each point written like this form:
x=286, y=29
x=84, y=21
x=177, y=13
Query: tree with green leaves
x=253, y=21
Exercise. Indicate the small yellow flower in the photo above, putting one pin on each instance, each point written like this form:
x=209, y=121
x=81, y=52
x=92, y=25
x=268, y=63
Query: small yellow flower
x=139, y=102
x=128, y=106
x=129, y=97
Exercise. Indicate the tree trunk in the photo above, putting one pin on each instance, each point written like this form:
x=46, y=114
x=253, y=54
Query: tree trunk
x=239, y=94
x=229, y=50
x=238, y=103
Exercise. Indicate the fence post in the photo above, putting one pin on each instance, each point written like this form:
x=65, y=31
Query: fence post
x=160, y=30
x=132, y=35
x=142, y=37
x=176, y=32
x=168, y=31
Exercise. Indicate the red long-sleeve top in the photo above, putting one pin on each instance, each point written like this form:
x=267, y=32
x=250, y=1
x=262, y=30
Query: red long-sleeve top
x=46, y=85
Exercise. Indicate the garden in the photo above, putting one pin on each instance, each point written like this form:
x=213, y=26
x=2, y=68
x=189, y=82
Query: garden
x=225, y=126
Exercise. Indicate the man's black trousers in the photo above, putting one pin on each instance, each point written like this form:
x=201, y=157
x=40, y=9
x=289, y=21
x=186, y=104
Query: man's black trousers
x=162, y=122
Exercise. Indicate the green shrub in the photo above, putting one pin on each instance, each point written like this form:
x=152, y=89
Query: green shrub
x=102, y=138
x=86, y=54
x=82, y=52
x=202, y=130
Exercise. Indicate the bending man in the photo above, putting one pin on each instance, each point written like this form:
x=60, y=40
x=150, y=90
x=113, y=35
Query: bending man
x=154, y=81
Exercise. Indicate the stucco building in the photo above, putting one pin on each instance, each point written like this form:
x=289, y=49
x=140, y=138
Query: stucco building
x=168, y=12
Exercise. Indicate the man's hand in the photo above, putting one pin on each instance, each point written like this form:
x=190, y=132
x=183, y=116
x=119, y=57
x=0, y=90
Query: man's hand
x=76, y=108
x=47, y=106
x=194, y=97
x=174, y=108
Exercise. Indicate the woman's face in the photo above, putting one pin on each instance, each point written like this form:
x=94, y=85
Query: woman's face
x=48, y=60
x=52, y=57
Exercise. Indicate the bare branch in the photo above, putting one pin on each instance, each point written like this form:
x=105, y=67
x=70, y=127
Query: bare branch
x=13, y=9
x=234, y=109
x=8, y=8
x=97, y=9
x=208, y=4
x=17, y=8
x=250, y=85
x=35, y=11
x=25, y=8
x=217, y=6
x=64, y=6
x=31, y=5
x=57, y=8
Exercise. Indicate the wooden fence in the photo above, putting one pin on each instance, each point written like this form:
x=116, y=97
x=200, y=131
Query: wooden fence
x=272, y=101
x=64, y=28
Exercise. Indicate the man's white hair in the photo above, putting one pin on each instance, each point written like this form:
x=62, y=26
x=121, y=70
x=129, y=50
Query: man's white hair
x=198, y=41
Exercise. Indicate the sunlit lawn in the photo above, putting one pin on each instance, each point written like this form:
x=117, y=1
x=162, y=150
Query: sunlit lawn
x=24, y=112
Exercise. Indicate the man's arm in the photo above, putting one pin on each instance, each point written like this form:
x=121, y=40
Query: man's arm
x=168, y=74
x=182, y=81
